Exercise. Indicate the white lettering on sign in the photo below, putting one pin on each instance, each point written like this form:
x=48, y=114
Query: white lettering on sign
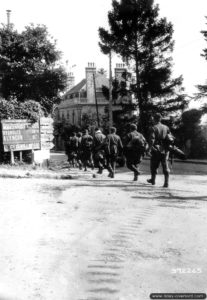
x=11, y=132
x=19, y=147
x=19, y=126
x=13, y=138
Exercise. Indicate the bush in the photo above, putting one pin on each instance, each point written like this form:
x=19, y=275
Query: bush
x=12, y=109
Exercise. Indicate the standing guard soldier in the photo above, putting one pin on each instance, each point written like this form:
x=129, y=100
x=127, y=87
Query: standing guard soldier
x=112, y=149
x=159, y=150
x=135, y=146
x=99, y=154
x=86, y=148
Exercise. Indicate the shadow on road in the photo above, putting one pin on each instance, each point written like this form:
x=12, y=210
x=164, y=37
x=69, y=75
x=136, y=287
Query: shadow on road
x=173, y=198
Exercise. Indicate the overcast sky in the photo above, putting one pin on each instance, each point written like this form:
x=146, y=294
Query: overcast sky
x=74, y=24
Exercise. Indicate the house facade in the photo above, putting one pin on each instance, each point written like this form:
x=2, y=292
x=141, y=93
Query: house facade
x=87, y=102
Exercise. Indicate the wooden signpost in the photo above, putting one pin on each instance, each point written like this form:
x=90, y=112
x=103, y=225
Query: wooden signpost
x=20, y=135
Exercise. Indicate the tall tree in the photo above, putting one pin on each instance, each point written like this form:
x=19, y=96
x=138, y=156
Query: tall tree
x=145, y=43
x=29, y=66
x=203, y=88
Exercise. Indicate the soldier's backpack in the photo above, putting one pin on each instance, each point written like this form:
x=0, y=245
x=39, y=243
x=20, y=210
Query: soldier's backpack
x=88, y=143
x=111, y=148
x=73, y=143
x=137, y=144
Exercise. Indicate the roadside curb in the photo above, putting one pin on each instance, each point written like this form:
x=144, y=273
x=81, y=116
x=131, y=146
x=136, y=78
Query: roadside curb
x=187, y=161
x=197, y=162
x=29, y=175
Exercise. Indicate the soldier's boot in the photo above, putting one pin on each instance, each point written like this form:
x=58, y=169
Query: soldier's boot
x=136, y=176
x=100, y=170
x=152, y=179
x=166, y=182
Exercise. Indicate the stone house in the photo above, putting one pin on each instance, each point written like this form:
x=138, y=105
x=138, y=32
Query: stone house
x=87, y=101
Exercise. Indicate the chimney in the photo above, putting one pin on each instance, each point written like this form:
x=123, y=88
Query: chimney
x=8, y=12
x=90, y=71
x=70, y=81
x=119, y=70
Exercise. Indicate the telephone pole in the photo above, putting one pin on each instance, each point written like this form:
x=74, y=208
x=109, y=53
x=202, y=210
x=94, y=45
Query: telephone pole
x=110, y=92
x=94, y=84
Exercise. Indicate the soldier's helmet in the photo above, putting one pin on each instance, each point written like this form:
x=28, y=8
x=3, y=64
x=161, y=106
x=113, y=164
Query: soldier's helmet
x=113, y=129
x=133, y=127
x=157, y=117
x=85, y=131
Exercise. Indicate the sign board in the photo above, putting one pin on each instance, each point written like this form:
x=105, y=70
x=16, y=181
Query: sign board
x=19, y=135
x=47, y=145
x=46, y=133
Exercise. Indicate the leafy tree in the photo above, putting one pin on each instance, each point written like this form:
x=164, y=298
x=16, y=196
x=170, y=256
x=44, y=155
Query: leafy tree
x=13, y=109
x=145, y=43
x=191, y=130
x=28, y=62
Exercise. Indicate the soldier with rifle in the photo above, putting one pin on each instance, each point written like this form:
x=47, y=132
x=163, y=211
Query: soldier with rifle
x=86, y=149
x=72, y=148
x=159, y=150
x=79, y=152
x=135, y=146
x=98, y=149
x=113, y=147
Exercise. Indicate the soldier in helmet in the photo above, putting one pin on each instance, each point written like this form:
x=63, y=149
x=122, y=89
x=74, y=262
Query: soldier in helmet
x=72, y=148
x=112, y=148
x=159, y=150
x=98, y=149
x=79, y=152
x=86, y=148
x=135, y=145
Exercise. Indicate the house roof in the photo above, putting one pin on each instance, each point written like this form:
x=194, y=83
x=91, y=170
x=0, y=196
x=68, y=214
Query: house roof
x=77, y=87
x=101, y=81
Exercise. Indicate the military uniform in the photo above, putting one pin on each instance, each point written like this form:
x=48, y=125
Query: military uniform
x=71, y=149
x=134, y=149
x=159, y=152
x=99, y=154
x=112, y=148
x=86, y=149
x=79, y=152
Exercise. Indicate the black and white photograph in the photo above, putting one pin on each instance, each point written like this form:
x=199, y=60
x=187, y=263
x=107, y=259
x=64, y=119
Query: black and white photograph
x=103, y=149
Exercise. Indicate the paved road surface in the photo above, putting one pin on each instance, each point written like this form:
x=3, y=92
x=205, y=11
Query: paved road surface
x=102, y=239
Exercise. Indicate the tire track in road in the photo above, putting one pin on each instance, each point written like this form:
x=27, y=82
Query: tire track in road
x=104, y=275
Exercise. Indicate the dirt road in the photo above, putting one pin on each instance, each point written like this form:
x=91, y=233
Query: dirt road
x=102, y=239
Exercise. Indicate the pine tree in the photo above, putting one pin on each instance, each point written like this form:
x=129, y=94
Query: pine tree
x=203, y=88
x=145, y=43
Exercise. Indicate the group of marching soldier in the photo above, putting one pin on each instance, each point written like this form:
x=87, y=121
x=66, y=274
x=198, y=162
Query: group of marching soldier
x=102, y=151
